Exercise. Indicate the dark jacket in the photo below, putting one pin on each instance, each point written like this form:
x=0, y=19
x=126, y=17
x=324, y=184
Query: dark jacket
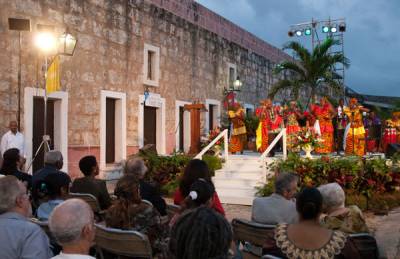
x=23, y=177
x=95, y=187
x=151, y=193
x=39, y=175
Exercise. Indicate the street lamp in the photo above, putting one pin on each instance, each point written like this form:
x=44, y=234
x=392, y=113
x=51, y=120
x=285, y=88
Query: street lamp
x=66, y=44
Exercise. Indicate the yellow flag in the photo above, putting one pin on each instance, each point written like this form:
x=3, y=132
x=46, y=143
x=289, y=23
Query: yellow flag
x=53, y=76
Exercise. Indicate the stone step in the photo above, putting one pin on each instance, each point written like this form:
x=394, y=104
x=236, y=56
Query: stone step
x=239, y=192
x=234, y=183
x=232, y=174
x=244, y=167
x=237, y=200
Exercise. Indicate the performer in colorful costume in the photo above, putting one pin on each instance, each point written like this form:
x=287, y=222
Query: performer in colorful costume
x=324, y=114
x=392, y=130
x=238, y=135
x=355, y=132
x=341, y=123
x=292, y=114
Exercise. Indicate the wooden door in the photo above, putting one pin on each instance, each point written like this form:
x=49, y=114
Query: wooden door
x=150, y=125
x=38, y=130
x=211, y=117
x=181, y=129
x=110, y=130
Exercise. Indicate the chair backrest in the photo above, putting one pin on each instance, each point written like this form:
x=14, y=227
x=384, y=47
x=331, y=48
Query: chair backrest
x=89, y=198
x=252, y=232
x=172, y=209
x=126, y=243
x=44, y=225
x=365, y=244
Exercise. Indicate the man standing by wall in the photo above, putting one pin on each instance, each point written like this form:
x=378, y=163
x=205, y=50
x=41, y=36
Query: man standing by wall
x=13, y=139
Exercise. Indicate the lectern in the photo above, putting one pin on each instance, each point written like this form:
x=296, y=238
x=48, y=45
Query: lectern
x=195, y=110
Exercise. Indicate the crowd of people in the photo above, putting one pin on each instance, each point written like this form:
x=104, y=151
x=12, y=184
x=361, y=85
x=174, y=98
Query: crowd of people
x=352, y=129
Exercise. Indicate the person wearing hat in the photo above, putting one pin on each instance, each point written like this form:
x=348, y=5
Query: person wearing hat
x=239, y=134
x=54, y=188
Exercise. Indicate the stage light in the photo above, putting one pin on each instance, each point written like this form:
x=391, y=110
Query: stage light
x=333, y=29
x=299, y=33
x=290, y=33
x=325, y=29
x=46, y=42
x=342, y=27
x=307, y=31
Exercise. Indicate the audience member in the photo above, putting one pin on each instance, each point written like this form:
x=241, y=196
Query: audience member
x=19, y=238
x=11, y=162
x=89, y=184
x=129, y=212
x=349, y=220
x=135, y=166
x=194, y=170
x=13, y=139
x=201, y=193
x=280, y=206
x=200, y=233
x=55, y=189
x=53, y=162
x=308, y=239
x=72, y=225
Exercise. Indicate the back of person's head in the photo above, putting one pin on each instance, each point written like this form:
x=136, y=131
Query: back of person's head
x=285, y=182
x=135, y=165
x=195, y=169
x=201, y=193
x=333, y=196
x=10, y=189
x=201, y=233
x=72, y=222
x=88, y=165
x=54, y=158
x=127, y=189
x=55, y=186
x=11, y=158
x=309, y=203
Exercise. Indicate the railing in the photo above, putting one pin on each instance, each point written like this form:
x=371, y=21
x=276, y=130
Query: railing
x=282, y=135
x=223, y=134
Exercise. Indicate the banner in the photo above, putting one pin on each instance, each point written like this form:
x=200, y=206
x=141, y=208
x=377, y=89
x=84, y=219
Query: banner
x=53, y=76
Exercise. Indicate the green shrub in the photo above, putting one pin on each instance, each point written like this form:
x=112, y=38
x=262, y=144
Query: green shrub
x=214, y=163
x=266, y=189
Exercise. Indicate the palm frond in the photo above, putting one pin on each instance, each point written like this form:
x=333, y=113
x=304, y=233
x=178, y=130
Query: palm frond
x=291, y=66
x=280, y=86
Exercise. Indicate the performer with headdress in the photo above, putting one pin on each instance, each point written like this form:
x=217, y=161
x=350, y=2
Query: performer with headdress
x=238, y=135
x=355, y=132
x=324, y=127
x=292, y=114
x=392, y=130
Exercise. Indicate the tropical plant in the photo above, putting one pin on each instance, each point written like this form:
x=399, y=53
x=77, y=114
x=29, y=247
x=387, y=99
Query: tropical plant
x=311, y=70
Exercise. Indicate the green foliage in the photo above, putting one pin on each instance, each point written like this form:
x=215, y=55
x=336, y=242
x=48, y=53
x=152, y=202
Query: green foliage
x=266, y=189
x=251, y=122
x=214, y=163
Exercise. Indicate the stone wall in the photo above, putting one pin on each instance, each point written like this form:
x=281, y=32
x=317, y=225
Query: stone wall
x=194, y=56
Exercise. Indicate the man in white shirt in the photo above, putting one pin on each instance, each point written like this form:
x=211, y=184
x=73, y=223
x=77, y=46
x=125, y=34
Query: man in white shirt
x=72, y=225
x=13, y=139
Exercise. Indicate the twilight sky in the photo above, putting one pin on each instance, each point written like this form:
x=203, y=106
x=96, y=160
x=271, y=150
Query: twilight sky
x=371, y=41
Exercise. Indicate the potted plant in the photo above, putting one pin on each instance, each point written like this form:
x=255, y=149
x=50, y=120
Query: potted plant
x=251, y=123
x=307, y=140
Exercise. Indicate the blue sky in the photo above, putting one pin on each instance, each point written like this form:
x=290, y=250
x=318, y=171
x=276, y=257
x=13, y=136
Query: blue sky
x=371, y=41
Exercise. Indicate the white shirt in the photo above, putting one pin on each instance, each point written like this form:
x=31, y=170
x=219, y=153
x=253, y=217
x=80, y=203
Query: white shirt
x=72, y=256
x=9, y=140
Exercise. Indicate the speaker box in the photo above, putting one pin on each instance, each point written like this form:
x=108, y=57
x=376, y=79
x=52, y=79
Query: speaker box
x=392, y=149
x=16, y=24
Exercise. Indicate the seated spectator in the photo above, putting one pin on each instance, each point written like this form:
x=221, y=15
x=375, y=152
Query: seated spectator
x=53, y=162
x=89, y=184
x=11, y=162
x=201, y=233
x=129, y=212
x=349, y=220
x=72, y=225
x=55, y=189
x=201, y=194
x=135, y=166
x=308, y=239
x=280, y=206
x=19, y=238
x=194, y=170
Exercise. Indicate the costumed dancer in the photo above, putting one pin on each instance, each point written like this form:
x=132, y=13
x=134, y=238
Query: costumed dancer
x=292, y=114
x=262, y=129
x=392, y=130
x=324, y=127
x=372, y=125
x=238, y=136
x=355, y=132
x=341, y=122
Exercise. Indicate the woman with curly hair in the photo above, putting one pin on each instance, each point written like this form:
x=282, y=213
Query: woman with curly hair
x=129, y=212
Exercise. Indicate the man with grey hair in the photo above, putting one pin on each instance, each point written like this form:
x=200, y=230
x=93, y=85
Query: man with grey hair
x=135, y=165
x=280, y=206
x=19, y=238
x=72, y=225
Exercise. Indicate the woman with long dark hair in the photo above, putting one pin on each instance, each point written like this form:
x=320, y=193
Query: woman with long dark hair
x=11, y=162
x=195, y=170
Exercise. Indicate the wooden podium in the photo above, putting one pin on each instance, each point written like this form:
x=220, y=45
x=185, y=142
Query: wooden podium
x=195, y=110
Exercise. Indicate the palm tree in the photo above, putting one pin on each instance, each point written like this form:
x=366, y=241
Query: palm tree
x=310, y=70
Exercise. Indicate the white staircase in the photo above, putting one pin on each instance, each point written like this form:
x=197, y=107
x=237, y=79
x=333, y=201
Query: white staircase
x=235, y=183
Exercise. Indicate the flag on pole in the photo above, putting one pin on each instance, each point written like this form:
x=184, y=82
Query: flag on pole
x=53, y=76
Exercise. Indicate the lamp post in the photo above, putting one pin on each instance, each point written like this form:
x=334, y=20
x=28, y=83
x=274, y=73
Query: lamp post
x=235, y=87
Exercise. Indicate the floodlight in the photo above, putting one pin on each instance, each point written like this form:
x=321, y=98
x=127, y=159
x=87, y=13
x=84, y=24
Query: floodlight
x=325, y=29
x=299, y=33
x=307, y=31
x=46, y=42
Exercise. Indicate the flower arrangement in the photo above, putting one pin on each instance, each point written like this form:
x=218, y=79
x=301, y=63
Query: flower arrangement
x=307, y=139
x=205, y=140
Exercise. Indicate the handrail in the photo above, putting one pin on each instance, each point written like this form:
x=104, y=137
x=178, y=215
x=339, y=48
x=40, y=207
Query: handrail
x=282, y=135
x=224, y=134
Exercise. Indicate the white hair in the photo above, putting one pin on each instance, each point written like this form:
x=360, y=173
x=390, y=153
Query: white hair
x=333, y=196
x=68, y=219
x=135, y=165
x=10, y=189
